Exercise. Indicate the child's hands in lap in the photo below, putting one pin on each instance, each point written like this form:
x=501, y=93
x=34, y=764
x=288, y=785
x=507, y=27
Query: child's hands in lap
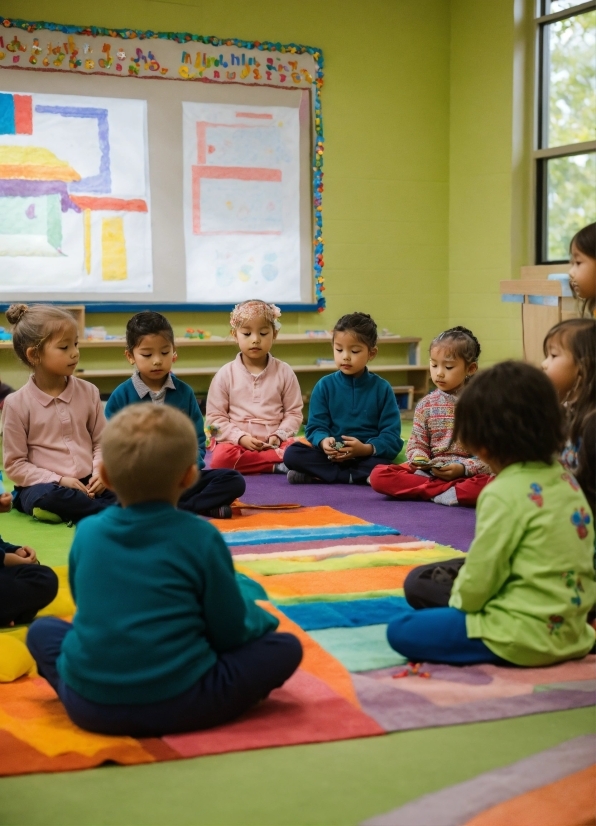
x=355, y=449
x=5, y=502
x=250, y=443
x=22, y=556
x=327, y=445
x=95, y=487
x=448, y=473
x=274, y=441
x=71, y=482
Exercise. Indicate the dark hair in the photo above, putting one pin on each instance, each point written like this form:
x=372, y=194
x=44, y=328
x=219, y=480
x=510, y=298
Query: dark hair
x=147, y=323
x=510, y=410
x=360, y=325
x=586, y=458
x=585, y=241
x=461, y=342
x=578, y=336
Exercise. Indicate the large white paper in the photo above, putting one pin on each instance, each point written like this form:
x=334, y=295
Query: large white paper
x=241, y=202
x=75, y=211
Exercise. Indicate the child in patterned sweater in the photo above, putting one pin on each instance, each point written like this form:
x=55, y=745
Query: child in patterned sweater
x=439, y=469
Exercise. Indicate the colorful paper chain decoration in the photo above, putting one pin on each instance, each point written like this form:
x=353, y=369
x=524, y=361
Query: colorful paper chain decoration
x=267, y=46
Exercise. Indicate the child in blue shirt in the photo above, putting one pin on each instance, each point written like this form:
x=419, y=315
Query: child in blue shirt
x=163, y=640
x=352, y=406
x=150, y=348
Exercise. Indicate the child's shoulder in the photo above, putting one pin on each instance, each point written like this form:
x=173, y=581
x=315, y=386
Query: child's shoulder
x=181, y=386
x=434, y=400
x=84, y=389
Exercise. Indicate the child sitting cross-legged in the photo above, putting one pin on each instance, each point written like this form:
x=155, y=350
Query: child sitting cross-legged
x=523, y=592
x=438, y=468
x=353, y=420
x=163, y=640
x=150, y=348
x=254, y=406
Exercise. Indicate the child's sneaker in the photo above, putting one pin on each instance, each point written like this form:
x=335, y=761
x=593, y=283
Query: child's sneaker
x=223, y=512
x=297, y=478
x=280, y=468
x=47, y=516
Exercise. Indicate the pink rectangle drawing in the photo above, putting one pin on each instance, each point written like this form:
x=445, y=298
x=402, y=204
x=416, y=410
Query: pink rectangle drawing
x=228, y=176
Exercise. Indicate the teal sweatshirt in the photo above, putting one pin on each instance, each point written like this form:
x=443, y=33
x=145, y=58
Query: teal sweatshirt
x=182, y=397
x=157, y=601
x=364, y=408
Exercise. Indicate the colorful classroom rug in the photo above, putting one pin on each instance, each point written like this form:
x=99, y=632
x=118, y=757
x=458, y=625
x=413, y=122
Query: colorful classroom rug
x=335, y=581
x=552, y=788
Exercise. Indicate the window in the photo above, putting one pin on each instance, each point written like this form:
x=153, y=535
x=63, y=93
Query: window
x=565, y=157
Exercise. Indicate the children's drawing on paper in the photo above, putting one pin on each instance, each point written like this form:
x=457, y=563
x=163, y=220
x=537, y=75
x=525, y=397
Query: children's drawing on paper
x=241, y=202
x=74, y=194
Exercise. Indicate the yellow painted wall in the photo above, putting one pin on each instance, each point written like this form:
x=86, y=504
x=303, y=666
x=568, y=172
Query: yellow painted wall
x=481, y=181
x=417, y=107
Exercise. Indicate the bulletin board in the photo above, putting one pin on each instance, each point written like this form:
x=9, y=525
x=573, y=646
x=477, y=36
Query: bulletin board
x=174, y=169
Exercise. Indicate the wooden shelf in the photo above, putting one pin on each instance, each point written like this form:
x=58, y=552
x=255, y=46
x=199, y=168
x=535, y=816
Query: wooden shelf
x=211, y=371
x=228, y=341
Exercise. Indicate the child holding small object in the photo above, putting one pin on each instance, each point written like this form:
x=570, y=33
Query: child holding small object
x=527, y=583
x=163, y=639
x=353, y=421
x=438, y=469
x=150, y=348
x=570, y=363
x=254, y=405
x=582, y=274
x=52, y=425
x=25, y=586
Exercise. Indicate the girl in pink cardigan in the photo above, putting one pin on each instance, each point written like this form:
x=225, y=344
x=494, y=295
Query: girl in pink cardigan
x=254, y=406
x=53, y=424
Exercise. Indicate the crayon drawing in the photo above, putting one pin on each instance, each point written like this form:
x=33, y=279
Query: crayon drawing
x=74, y=194
x=241, y=202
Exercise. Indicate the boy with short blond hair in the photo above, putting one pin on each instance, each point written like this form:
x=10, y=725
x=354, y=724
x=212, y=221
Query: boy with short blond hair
x=163, y=640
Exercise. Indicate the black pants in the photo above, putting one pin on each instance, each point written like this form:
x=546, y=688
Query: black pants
x=25, y=590
x=69, y=504
x=214, y=489
x=429, y=586
x=314, y=461
x=238, y=680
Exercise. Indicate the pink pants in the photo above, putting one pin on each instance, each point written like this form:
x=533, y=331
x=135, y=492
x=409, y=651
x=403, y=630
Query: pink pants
x=225, y=455
x=401, y=482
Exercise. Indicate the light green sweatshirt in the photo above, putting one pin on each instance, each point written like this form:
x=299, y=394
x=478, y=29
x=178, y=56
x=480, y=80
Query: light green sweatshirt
x=528, y=581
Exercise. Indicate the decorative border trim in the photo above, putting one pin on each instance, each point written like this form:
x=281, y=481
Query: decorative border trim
x=267, y=46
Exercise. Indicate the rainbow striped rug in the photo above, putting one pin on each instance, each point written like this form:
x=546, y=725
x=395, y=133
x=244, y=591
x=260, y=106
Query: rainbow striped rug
x=335, y=581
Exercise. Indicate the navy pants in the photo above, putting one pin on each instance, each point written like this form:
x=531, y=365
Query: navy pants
x=437, y=635
x=430, y=586
x=25, y=590
x=214, y=489
x=314, y=461
x=69, y=504
x=238, y=680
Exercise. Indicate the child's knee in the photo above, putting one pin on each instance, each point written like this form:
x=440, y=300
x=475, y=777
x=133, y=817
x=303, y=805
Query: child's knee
x=399, y=631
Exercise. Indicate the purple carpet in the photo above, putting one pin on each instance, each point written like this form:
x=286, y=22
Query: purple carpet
x=448, y=526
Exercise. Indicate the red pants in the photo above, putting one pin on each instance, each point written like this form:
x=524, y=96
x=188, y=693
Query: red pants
x=401, y=482
x=226, y=455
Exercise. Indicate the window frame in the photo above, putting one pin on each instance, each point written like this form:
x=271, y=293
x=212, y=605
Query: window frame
x=541, y=155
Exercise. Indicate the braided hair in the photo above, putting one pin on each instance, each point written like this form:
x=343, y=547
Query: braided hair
x=460, y=342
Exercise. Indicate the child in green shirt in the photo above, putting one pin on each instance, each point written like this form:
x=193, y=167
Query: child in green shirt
x=527, y=584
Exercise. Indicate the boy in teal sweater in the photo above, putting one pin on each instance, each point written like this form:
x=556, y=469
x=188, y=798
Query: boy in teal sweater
x=353, y=418
x=150, y=348
x=163, y=640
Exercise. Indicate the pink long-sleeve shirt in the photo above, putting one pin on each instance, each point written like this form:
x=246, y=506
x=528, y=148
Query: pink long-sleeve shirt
x=47, y=437
x=241, y=404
